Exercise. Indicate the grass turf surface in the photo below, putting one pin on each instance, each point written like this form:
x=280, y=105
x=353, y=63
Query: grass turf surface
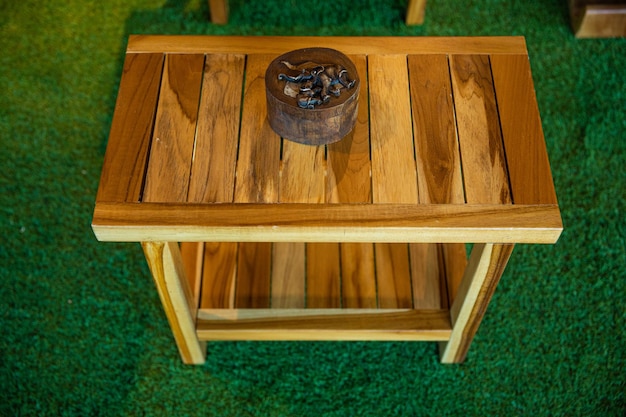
x=83, y=332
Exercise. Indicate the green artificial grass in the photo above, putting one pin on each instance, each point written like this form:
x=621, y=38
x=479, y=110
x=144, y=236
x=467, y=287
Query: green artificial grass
x=83, y=332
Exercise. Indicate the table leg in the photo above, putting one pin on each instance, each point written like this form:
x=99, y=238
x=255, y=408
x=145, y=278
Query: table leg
x=219, y=11
x=166, y=266
x=415, y=12
x=483, y=272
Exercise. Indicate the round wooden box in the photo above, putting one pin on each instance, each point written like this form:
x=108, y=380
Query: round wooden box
x=312, y=95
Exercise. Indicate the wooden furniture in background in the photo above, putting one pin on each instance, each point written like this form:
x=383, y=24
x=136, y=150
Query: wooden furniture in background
x=249, y=236
x=414, y=12
x=598, y=18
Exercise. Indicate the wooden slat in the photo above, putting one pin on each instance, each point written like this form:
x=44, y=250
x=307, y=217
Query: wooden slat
x=434, y=128
x=217, y=137
x=167, y=179
x=288, y=275
x=394, y=177
x=253, y=275
x=323, y=285
x=427, y=274
x=257, y=181
x=349, y=181
x=393, y=275
x=325, y=324
x=259, y=146
x=213, y=170
x=302, y=173
x=131, y=129
x=219, y=275
x=301, y=181
x=349, y=45
x=192, y=254
x=438, y=166
x=455, y=261
x=528, y=164
x=484, y=166
x=328, y=223
x=358, y=275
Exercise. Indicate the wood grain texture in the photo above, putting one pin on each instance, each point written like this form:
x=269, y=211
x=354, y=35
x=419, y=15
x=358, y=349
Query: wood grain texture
x=528, y=164
x=438, y=167
x=348, y=164
x=358, y=275
x=253, y=275
x=455, y=261
x=192, y=254
x=415, y=11
x=427, y=273
x=484, y=165
x=349, y=181
x=325, y=324
x=434, y=129
x=393, y=275
x=257, y=181
x=217, y=137
x=485, y=268
x=323, y=285
x=301, y=181
x=277, y=45
x=288, y=275
x=431, y=223
x=131, y=129
x=167, y=177
x=259, y=147
x=219, y=275
x=394, y=178
x=167, y=270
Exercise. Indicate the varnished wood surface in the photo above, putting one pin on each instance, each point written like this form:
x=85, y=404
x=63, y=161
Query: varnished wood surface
x=446, y=223
x=171, y=152
x=348, y=45
x=527, y=158
x=166, y=266
x=324, y=324
x=361, y=239
x=420, y=116
x=131, y=129
x=484, y=270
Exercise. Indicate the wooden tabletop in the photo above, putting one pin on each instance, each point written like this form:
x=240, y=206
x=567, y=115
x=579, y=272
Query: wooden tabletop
x=448, y=147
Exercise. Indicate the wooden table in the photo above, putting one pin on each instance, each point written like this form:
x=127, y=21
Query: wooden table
x=249, y=236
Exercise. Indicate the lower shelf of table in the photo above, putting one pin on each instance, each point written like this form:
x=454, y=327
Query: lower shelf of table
x=324, y=324
x=323, y=291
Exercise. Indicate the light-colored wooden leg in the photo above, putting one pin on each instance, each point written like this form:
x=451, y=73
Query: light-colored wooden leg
x=219, y=11
x=166, y=265
x=483, y=272
x=415, y=12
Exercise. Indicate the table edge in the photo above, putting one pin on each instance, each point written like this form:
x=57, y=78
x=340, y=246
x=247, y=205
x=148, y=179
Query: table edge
x=346, y=44
x=232, y=222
